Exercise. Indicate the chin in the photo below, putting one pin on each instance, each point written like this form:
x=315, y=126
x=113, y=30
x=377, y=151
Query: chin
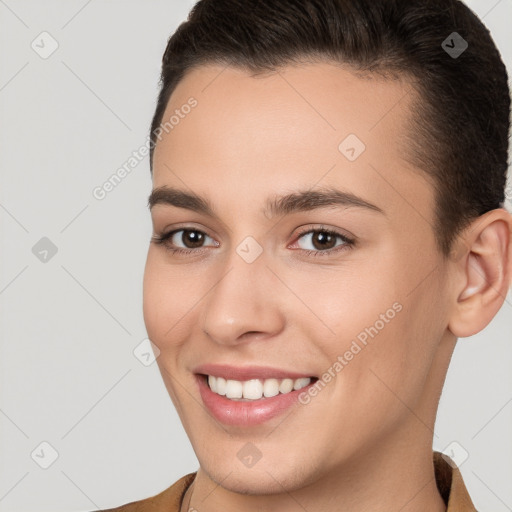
x=250, y=481
x=261, y=479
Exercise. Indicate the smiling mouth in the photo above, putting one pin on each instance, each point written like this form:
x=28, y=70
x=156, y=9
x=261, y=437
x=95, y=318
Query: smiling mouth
x=254, y=389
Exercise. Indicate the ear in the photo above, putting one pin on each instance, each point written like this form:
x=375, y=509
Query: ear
x=483, y=272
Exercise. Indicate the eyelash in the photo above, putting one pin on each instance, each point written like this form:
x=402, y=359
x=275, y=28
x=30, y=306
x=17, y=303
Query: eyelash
x=347, y=245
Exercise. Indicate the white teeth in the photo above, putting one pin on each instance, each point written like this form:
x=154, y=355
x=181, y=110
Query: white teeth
x=233, y=389
x=270, y=387
x=254, y=389
x=286, y=386
x=301, y=383
x=221, y=386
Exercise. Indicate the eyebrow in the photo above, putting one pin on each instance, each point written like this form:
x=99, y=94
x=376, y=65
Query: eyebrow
x=298, y=201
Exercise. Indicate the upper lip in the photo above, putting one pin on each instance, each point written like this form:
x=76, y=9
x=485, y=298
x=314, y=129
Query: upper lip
x=243, y=373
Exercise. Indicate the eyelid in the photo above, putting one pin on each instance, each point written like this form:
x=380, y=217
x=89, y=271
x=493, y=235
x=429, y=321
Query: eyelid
x=349, y=242
x=169, y=234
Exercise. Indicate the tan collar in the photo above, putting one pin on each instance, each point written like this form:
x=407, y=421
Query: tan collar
x=451, y=485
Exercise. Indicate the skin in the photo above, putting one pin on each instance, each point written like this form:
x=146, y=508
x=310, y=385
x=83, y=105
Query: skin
x=365, y=441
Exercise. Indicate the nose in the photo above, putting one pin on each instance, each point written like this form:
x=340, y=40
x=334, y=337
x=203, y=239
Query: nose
x=244, y=303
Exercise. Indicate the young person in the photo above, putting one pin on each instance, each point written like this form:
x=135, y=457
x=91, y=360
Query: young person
x=328, y=213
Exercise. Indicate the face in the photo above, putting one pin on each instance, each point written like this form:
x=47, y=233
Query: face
x=343, y=285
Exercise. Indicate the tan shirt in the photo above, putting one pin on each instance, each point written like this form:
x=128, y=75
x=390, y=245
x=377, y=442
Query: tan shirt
x=449, y=482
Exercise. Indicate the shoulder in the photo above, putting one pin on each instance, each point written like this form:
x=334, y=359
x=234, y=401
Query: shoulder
x=169, y=500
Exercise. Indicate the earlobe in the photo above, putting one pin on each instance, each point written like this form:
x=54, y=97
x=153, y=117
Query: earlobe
x=485, y=273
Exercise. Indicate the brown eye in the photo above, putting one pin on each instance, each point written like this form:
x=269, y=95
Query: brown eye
x=324, y=241
x=191, y=238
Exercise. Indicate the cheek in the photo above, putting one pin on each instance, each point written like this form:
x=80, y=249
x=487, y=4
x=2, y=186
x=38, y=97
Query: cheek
x=163, y=300
x=352, y=305
x=152, y=299
x=394, y=366
x=380, y=329
x=172, y=296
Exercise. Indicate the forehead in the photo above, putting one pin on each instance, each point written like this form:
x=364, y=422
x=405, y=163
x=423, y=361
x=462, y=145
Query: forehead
x=329, y=99
x=303, y=124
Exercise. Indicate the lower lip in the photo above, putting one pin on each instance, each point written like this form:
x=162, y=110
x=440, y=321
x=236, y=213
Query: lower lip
x=232, y=412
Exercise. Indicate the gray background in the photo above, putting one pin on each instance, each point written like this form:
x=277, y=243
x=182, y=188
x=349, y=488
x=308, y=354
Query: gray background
x=69, y=325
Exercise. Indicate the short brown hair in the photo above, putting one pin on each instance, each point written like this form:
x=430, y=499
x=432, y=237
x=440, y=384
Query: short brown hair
x=461, y=126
